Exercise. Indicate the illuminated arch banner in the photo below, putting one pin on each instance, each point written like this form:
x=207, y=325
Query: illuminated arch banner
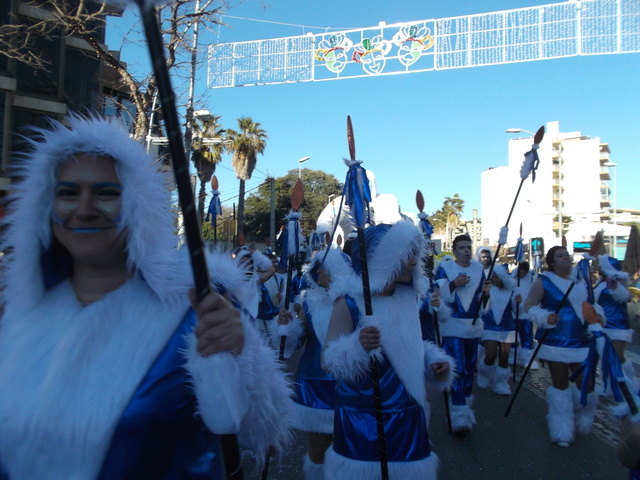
x=586, y=27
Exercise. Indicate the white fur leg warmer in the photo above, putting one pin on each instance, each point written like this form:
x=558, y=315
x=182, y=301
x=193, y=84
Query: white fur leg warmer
x=560, y=417
x=584, y=415
x=485, y=375
x=312, y=471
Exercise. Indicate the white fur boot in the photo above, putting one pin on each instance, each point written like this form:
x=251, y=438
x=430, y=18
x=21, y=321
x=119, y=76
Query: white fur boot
x=630, y=375
x=584, y=414
x=312, y=471
x=485, y=375
x=524, y=356
x=560, y=417
x=501, y=381
x=462, y=420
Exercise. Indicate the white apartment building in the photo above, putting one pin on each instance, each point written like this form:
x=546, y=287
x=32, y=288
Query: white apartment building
x=572, y=183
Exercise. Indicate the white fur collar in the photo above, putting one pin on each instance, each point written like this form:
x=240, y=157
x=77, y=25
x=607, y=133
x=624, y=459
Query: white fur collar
x=73, y=370
x=466, y=294
x=578, y=293
x=401, y=337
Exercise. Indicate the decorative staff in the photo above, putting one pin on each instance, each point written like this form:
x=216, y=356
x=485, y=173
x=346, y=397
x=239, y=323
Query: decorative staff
x=575, y=279
x=229, y=443
x=529, y=166
x=215, y=208
x=358, y=196
x=427, y=231
x=519, y=256
x=292, y=245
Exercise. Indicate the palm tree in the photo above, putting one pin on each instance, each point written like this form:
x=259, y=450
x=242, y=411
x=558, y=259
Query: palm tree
x=245, y=145
x=205, y=154
x=447, y=218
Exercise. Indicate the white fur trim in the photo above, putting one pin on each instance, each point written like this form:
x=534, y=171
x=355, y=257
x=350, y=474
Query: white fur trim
x=506, y=279
x=584, y=415
x=562, y=355
x=345, y=358
x=385, y=208
x=539, y=315
x=337, y=466
x=625, y=335
x=462, y=417
x=292, y=332
x=461, y=328
x=434, y=354
x=499, y=336
x=485, y=375
x=466, y=293
x=312, y=471
x=610, y=271
x=310, y=419
x=401, y=240
x=260, y=261
x=560, y=418
x=479, y=250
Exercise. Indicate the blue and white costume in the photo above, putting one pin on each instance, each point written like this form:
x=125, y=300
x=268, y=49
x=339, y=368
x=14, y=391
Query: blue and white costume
x=116, y=388
x=524, y=325
x=614, y=303
x=404, y=361
x=460, y=337
x=566, y=342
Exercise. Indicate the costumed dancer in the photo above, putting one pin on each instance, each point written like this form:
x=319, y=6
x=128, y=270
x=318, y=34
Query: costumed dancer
x=484, y=255
x=461, y=283
x=259, y=270
x=565, y=344
x=328, y=278
x=499, y=332
x=406, y=363
x=113, y=373
x=612, y=294
x=523, y=323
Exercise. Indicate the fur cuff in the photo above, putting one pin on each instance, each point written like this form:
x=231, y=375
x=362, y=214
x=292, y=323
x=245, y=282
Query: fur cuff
x=447, y=295
x=443, y=311
x=218, y=386
x=434, y=354
x=539, y=315
x=345, y=358
x=620, y=294
x=292, y=332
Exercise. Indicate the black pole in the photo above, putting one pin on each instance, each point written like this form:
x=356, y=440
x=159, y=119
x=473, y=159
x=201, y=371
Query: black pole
x=375, y=372
x=515, y=350
x=229, y=443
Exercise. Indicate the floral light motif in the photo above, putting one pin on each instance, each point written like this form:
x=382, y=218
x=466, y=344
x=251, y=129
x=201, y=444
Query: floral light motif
x=412, y=42
x=334, y=52
x=371, y=54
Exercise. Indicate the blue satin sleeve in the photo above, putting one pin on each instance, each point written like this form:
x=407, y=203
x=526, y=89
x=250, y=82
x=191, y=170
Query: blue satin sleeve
x=616, y=313
x=160, y=436
x=426, y=321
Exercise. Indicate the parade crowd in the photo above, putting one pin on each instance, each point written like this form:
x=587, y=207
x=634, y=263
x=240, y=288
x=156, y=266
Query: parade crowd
x=112, y=367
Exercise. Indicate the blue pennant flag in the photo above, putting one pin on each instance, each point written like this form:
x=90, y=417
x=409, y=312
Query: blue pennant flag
x=584, y=273
x=425, y=225
x=357, y=193
x=316, y=242
x=215, y=208
x=519, y=253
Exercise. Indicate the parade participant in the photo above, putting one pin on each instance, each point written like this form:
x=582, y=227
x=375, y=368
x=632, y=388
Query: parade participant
x=523, y=324
x=112, y=373
x=432, y=304
x=328, y=278
x=406, y=363
x=461, y=283
x=484, y=255
x=273, y=284
x=499, y=332
x=565, y=345
x=612, y=294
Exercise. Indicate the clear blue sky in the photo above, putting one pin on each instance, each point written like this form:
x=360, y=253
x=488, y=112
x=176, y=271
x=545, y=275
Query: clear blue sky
x=434, y=131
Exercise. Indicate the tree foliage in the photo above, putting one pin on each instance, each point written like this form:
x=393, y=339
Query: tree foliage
x=318, y=185
x=86, y=19
x=446, y=219
x=206, y=155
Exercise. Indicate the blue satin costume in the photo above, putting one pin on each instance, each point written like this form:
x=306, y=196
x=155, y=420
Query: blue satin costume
x=160, y=436
x=525, y=332
x=427, y=321
x=464, y=350
x=507, y=322
x=616, y=313
x=314, y=387
x=355, y=430
x=267, y=311
x=569, y=332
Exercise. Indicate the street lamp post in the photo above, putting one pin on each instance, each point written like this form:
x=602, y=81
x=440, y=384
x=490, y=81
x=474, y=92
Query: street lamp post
x=615, y=207
x=519, y=130
x=300, y=161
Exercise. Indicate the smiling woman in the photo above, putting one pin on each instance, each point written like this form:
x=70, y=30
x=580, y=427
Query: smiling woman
x=115, y=371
